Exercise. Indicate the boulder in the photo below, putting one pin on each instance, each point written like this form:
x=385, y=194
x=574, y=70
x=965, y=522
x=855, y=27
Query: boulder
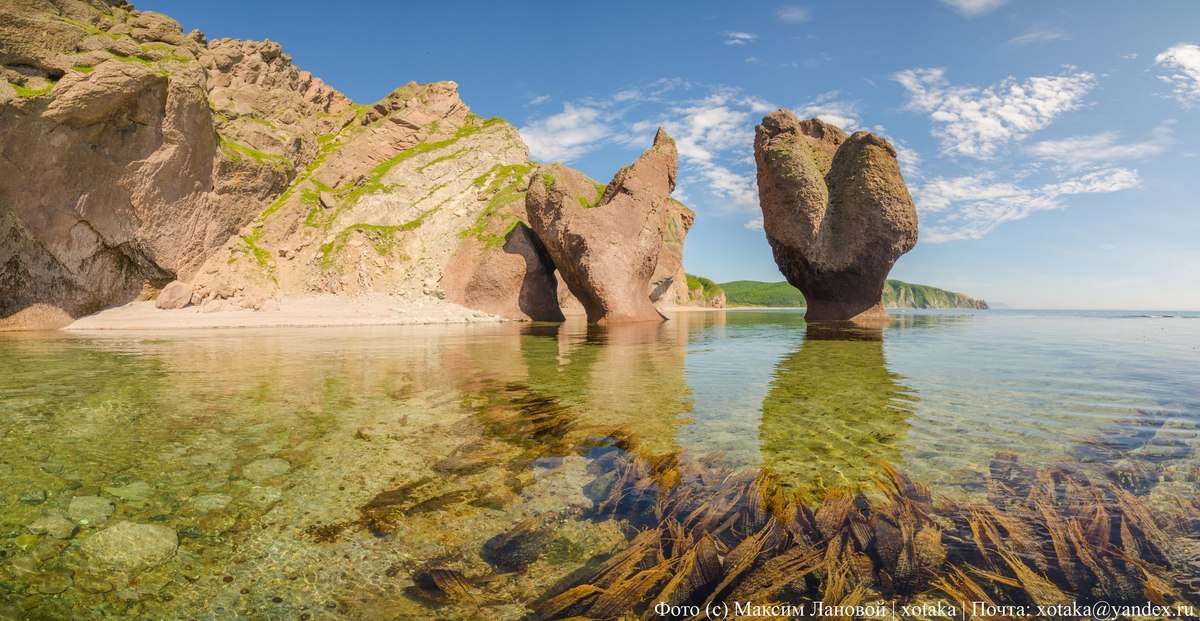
x=606, y=242
x=174, y=296
x=836, y=212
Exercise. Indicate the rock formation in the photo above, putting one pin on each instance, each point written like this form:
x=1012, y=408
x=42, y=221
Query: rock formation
x=511, y=276
x=383, y=207
x=141, y=162
x=605, y=241
x=836, y=212
x=117, y=173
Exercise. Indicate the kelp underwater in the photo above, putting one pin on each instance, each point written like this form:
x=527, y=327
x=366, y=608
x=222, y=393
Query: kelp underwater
x=546, y=472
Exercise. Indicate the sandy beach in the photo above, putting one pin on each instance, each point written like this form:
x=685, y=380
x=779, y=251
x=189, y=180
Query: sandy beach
x=319, y=311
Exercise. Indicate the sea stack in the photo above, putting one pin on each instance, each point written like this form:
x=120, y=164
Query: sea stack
x=836, y=212
x=605, y=241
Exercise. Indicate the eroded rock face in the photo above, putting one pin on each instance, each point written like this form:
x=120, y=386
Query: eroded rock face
x=606, y=242
x=511, y=276
x=387, y=202
x=116, y=175
x=836, y=212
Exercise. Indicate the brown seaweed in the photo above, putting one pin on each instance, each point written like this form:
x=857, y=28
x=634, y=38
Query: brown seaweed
x=1040, y=537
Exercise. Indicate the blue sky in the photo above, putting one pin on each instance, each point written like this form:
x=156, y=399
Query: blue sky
x=1050, y=147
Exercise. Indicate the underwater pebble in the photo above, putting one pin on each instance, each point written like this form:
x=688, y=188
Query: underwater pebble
x=91, y=510
x=33, y=496
x=52, y=468
x=129, y=546
x=265, y=495
x=210, y=502
x=55, y=526
x=134, y=490
x=266, y=468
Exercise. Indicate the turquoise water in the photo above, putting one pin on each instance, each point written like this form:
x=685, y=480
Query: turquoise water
x=311, y=473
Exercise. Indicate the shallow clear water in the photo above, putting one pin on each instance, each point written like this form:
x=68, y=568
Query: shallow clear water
x=309, y=473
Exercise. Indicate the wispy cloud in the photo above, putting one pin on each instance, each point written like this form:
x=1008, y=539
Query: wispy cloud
x=971, y=8
x=1038, y=36
x=754, y=60
x=713, y=131
x=793, y=14
x=829, y=108
x=566, y=135
x=1080, y=152
x=754, y=224
x=539, y=100
x=974, y=121
x=709, y=133
x=738, y=38
x=970, y=207
x=1183, y=63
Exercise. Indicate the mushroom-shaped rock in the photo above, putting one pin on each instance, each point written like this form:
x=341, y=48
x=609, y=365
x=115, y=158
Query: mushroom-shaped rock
x=606, y=242
x=836, y=212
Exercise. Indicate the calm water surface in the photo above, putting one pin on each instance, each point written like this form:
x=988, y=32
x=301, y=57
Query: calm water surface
x=306, y=474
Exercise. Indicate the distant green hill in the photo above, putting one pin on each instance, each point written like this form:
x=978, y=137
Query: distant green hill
x=896, y=294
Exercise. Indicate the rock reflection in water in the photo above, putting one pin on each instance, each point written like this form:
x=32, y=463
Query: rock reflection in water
x=834, y=413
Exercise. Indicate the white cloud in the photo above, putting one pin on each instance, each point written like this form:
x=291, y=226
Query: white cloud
x=540, y=99
x=794, y=14
x=755, y=224
x=975, y=121
x=714, y=134
x=1183, y=60
x=909, y=159
x=1038, y=36
x=1083, y=151
x=738, y=38
x=566, y=135
x=628, y=94
x=830, y=109
x=707, y=132
x=754, y=60
x=970, y=207
x=971, y=8
x=1130, y=56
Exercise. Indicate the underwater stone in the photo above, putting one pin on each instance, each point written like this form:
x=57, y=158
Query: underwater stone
x=210, y=502
x=128, y=546
x=136, y=490
x=33, y=496
x=266, y=468
x=91, y=510
x=264, y=496
x=54, y=525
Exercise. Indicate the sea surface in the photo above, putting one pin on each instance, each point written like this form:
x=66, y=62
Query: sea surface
x=315, y=473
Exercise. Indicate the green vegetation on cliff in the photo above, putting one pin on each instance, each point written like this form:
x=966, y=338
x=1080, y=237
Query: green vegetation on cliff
x=896, y=294
x=704, y=288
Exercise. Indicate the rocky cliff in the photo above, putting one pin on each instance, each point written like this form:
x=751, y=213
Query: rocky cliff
x=126, y=159
x=135, y=155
